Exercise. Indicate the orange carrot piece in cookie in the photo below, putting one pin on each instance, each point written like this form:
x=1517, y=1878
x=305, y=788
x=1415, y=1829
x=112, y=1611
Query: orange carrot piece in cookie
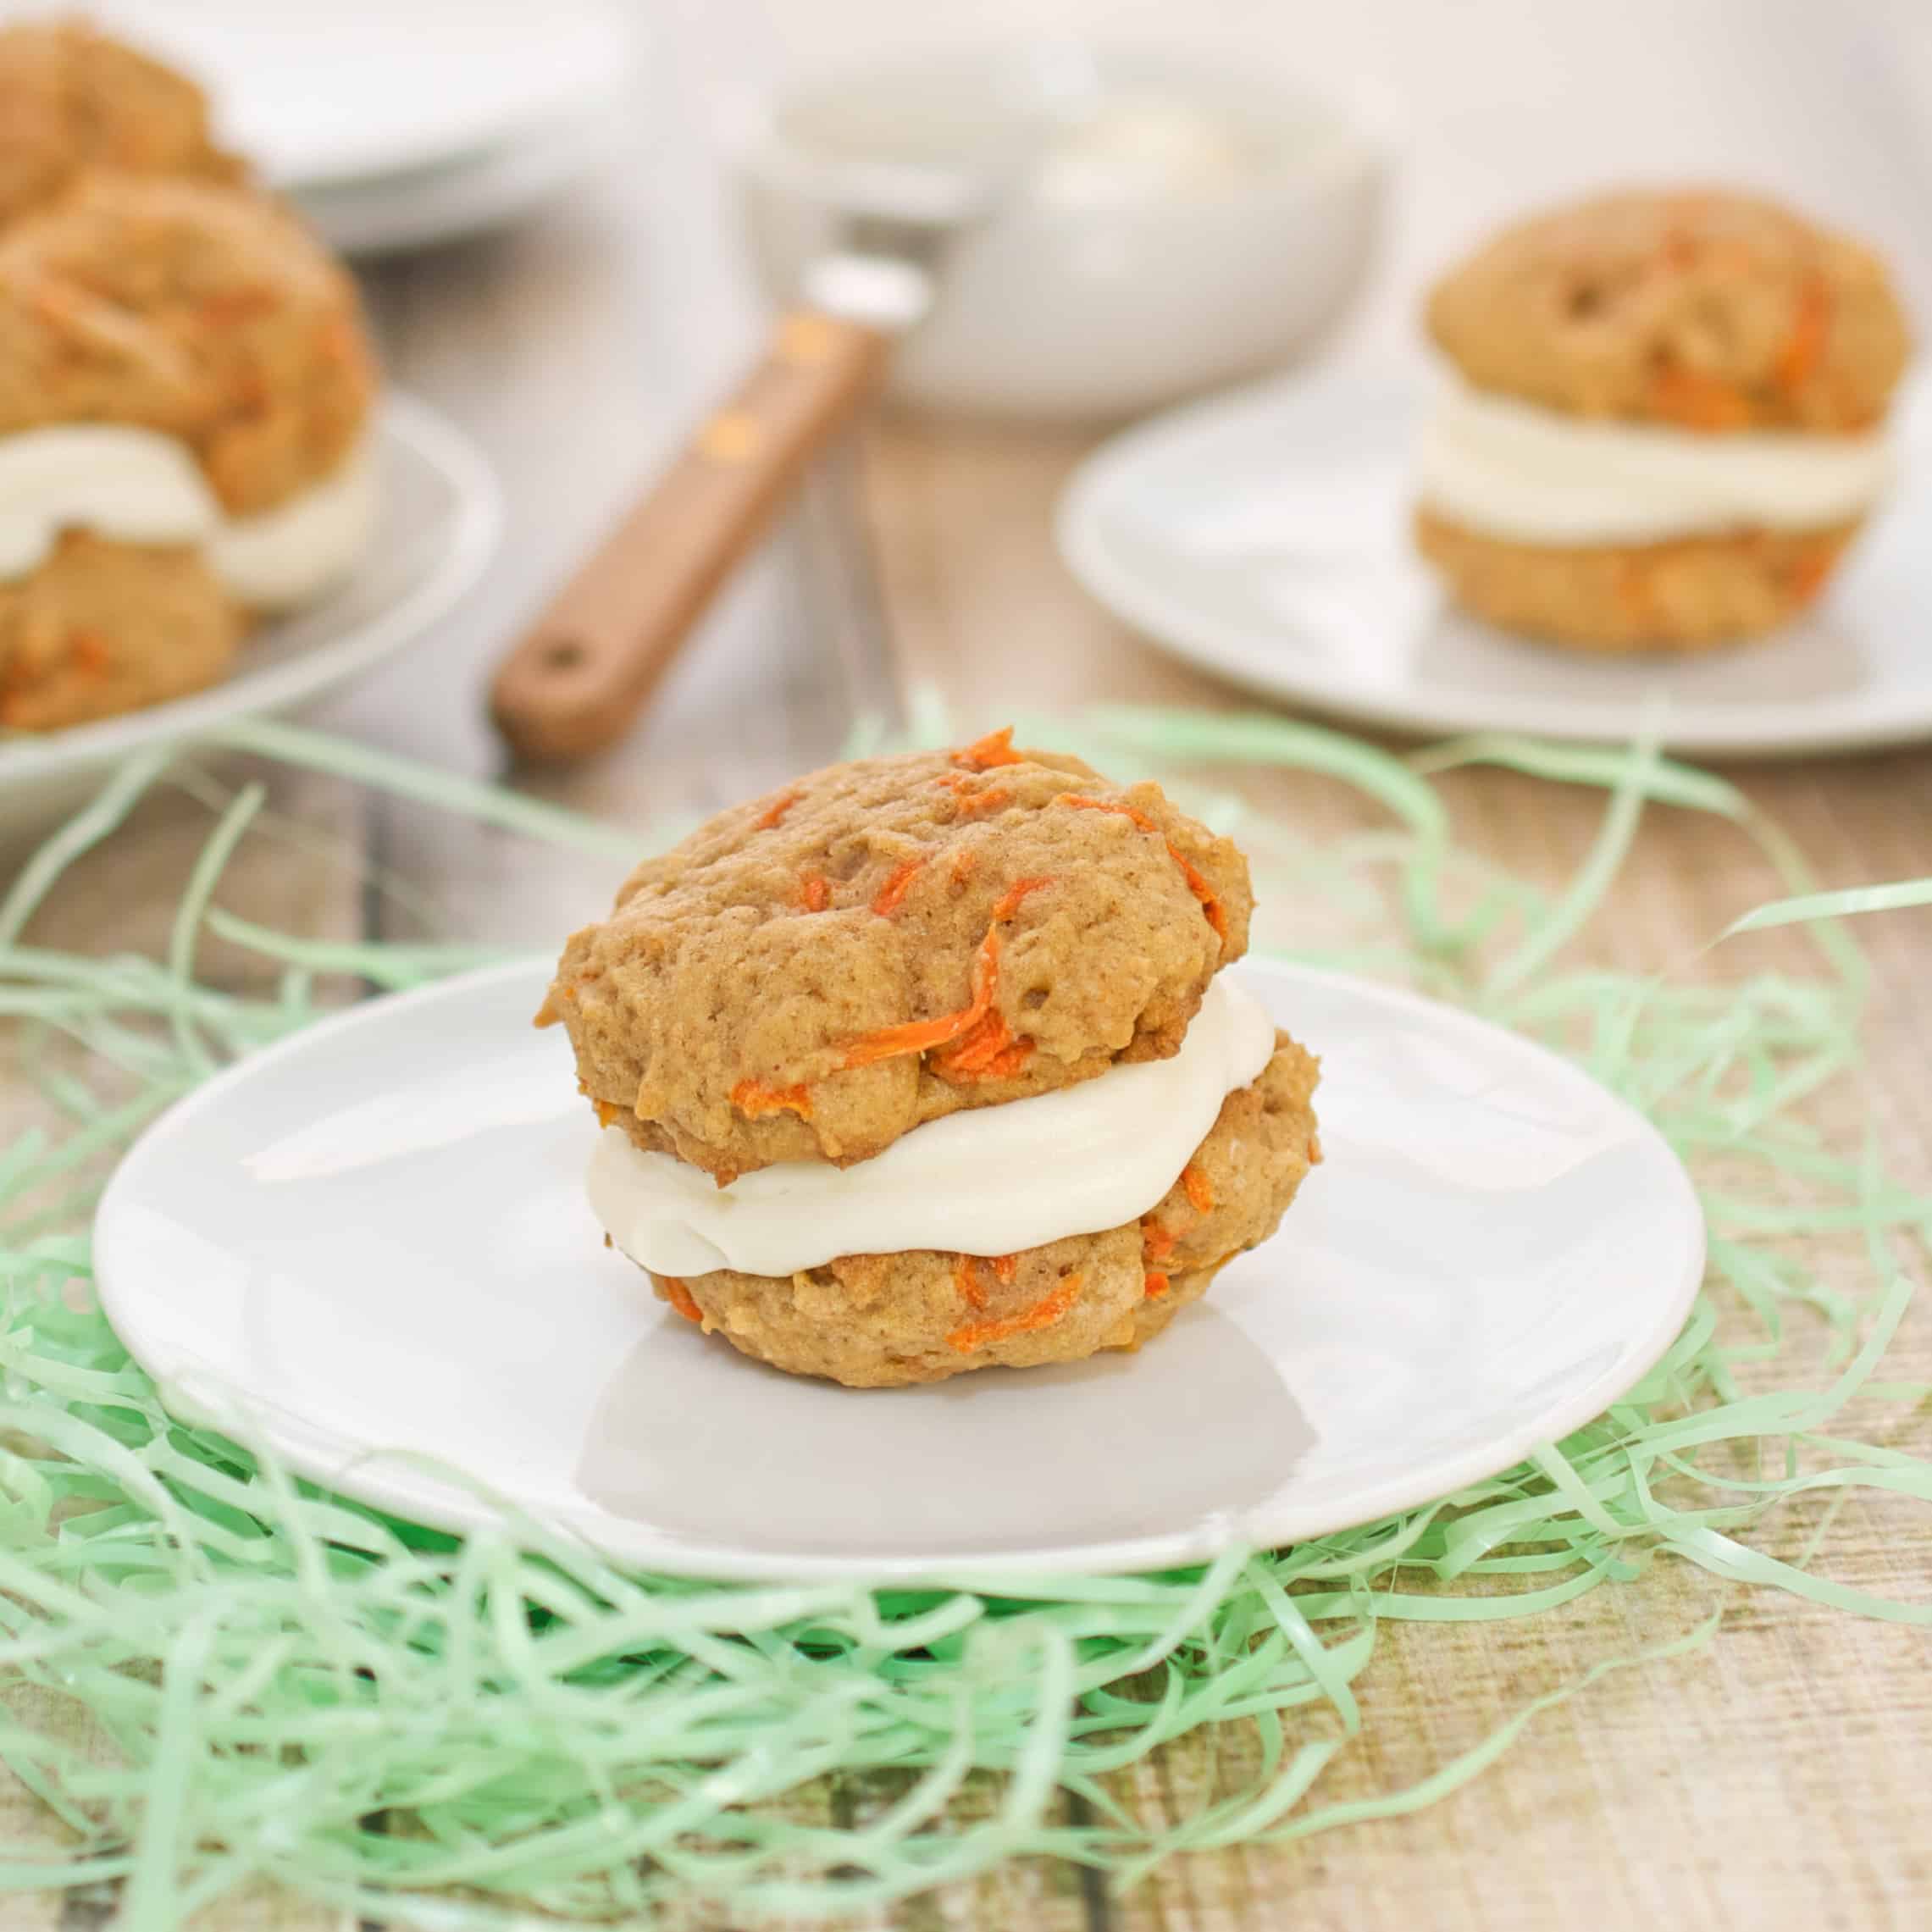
x=996, y=748
x=1009, y=901
x=815, y=892
x=894, y=889
x=1808, y=574
x=988, y=1052
x=973, y=804
x=1198, y=1189
x=924, y=1036
x=966, y=1282
x=1154, y=1285
x=774, y=812
x=1005, y=1267
x=680, y=1298
x=754, y=1100
x=1697, y=400
x=1804, y=347
x=915, y=1036
x=1156, y=1240
x=1044, y=1313
x=606, y=1112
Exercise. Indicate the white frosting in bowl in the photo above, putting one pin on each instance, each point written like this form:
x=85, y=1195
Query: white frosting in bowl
x=1511, y=470
x=141, y=487
x=985, y=1181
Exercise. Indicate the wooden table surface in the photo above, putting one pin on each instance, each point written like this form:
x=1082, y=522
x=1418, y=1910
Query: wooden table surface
x=1782, y=1776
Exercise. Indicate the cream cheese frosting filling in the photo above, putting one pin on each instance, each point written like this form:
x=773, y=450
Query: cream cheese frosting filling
x=986, y=1180
x=141, y=487
x=1509, y=469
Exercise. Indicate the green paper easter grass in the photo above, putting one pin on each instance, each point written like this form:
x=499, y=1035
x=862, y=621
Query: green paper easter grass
x=277, y=1684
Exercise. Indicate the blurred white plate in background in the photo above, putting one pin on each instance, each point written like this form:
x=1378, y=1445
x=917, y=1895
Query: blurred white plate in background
x=436, y=527
x=369, y=1246
x=1263, y=536
x=332, y=90
x=395, y=212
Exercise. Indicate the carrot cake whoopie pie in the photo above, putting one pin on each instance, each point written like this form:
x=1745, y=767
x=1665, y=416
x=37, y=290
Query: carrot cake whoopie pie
x=184, y=393
x=922, y=1065
x=1666, y=421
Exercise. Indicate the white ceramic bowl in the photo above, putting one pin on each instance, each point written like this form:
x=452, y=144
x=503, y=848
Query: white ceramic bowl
x=1089, y=305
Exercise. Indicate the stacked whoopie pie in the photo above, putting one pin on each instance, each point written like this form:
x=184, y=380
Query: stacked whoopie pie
x=186, y=385
x=926, y=1063
x=1665, y=420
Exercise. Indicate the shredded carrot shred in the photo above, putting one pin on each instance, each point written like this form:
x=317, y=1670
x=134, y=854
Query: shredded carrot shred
x=1804, y=347
x=915, y=1036
x=774, y=812
x=964, y=864
x=1044, y=1313
x=90, y=651
x=229, y=306
x=996, y=748
x=926, y=1036
x=1009, y=901
x=1155, y=1285
x=988, y=1052
x=1156, y=1240
x=1808, y=575
x=1197, y=884
x=973, y=804
x=606, y=1112
x=815, y=892
x=1199, y=1190
x=894, y=889
x=754, y=1100
x=1697, y=400
x=967, y=1283
x=680, y=1298
x=1680, y=251
x=1005, y=1267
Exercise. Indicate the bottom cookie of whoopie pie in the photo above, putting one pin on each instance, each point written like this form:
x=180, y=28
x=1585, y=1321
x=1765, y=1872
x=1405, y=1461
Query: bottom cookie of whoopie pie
x=878, y=1321
x=1690, y=595
x=101, y=626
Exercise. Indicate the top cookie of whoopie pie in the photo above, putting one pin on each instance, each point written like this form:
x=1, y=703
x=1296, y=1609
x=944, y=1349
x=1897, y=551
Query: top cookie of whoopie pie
x=72, y=99
x=809, y=976
x=1703, y=309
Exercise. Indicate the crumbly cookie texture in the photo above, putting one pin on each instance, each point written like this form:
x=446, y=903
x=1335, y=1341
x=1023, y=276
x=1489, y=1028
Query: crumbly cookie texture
x=1708, y=310
x=810, y=975
x=102, y=626
x=205, y=312
x=1692, y=595
x=72, y=99
x=875, y=1320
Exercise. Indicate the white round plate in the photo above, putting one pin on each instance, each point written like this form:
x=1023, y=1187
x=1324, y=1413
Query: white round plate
x=317, y=90
x=390, y=213
x=371, y=1243
x=437, y=526
x=1264, y=537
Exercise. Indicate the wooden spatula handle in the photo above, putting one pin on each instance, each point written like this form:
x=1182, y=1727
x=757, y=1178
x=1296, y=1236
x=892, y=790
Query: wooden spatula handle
x=577, y=679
